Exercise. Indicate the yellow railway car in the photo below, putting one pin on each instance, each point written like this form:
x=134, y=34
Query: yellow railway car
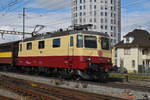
x=8, y=53
x=86, y=54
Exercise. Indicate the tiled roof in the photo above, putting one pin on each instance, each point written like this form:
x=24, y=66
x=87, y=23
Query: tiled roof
x=141, y=39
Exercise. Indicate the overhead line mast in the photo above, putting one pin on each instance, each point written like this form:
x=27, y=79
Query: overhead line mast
x=23, y=23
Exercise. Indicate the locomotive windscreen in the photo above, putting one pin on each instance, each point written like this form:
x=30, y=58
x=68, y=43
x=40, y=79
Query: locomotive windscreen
x=105, y=43
x=90, y=41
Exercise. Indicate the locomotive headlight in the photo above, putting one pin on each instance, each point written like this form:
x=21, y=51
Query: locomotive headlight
x=109, y=60
x=88, y=59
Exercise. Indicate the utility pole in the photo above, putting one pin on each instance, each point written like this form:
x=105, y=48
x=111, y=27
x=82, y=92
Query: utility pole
x=23, y=23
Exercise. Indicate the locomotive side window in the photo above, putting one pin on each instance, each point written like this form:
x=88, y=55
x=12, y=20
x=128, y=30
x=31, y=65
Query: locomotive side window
x=90, y=41
x=56, y=43
x=20, y=47
x=41, y=44
x=105, y=43
x=71, y=41
x=29, y=46
x=79, y=41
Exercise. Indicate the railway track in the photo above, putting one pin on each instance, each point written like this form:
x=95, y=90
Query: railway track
x=5, y=98
x=38, y=91
x=135, y=87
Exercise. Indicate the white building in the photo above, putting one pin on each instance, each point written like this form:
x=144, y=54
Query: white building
x=134, y=51
x=105, y=15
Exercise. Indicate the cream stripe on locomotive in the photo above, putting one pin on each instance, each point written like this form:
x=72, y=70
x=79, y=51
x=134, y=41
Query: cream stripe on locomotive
x=64, y=50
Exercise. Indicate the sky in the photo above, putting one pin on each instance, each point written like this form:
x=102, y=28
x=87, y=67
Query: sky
x=56, y=14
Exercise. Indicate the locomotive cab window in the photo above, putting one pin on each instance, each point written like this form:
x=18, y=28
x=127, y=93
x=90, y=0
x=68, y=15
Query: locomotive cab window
x=29, y=46
x=41, y=45
x=90, y=41
x=105, y=43
x=56, y=43
x=79, y=41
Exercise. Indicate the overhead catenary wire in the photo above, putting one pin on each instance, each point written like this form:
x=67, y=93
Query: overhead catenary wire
x=64, y=3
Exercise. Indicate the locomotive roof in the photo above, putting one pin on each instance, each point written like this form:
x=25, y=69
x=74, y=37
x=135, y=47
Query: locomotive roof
x=9, y=43
x=64, y=33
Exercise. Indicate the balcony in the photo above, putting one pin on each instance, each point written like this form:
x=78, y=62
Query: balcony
x=146, y=57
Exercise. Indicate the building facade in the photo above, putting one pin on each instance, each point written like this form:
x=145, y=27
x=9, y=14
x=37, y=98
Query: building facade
x=105, y=15
x=134, y=52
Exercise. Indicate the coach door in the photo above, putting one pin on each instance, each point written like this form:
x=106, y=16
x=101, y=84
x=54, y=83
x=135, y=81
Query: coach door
x=71, y=51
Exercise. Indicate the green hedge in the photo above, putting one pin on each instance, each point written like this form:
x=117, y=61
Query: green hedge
x=131, y=76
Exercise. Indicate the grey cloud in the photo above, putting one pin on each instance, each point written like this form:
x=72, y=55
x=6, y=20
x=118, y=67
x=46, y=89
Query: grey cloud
x=51, y=4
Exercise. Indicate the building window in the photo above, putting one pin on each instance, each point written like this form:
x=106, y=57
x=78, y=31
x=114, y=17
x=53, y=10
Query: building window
x=127, y=51
x=71, y=41
x=101, y=26
x=94, y=13
x=80, y=20
x=105, y=13
x=111, y=1
x=80, y=13
x=80, y=7
x=80, y=1
x=84, y=7
x=29, y=46
x=84, y=20
x=84, y=13
x=111, y=8
x=101, y=13
x=95, y=20
x=41, y=45
x=90, y=6
x=90, y=19
x=111, y=21
x=102, y=21
x=145, y=52
x=111, y=14
x=106, y=27
x=94, y=6
x=133, y=63
x=95, y=27
x=105, y=20
x=111, y=27
x=56, y=43
x=20, y=47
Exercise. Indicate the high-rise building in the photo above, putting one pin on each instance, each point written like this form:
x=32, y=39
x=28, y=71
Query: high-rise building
x=105, y=15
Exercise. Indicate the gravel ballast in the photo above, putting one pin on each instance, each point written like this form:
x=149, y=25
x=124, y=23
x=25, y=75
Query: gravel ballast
x=117, y=92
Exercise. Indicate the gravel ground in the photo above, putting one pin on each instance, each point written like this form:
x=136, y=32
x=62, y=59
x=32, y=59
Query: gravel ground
x=123, y=93
x=9, y=94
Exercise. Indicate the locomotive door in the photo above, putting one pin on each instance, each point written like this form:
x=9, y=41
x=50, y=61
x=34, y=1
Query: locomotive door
x=71, y=51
